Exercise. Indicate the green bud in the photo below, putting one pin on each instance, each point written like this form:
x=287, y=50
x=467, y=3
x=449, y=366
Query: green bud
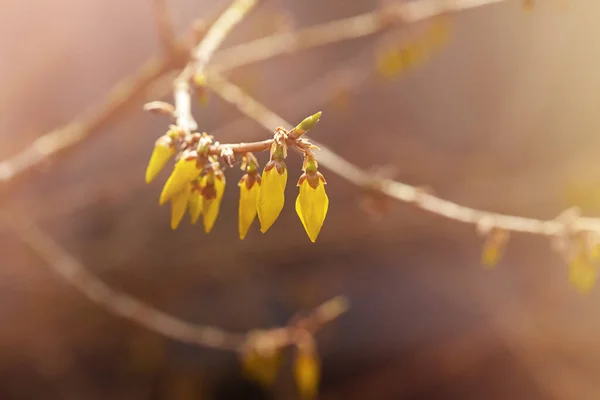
x=307, y=124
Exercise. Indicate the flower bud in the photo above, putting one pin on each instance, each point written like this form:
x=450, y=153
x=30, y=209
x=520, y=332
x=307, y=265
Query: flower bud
x=249, y=189
x=195, y=203
x=271, y=195
x=184, y=172
x=164, y=149
x=213, y=188
x=179, y=204
x=307, y=369
x=307, y=124
x=312, y=202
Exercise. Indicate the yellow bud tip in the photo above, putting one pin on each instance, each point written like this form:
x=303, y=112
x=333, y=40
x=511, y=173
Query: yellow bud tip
x=271, y=197
x=179, y=205
x=312, y=205
x=247, y=207
x=183, y=173
x=160, y=155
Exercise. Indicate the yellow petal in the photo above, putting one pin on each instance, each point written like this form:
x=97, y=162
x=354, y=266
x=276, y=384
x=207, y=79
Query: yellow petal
x=271, y=197
x=195, y=206
x=595, y=253
x=307, y=371
x=160, y=155
x=247, y=207
x=439, y=32
x=183, y=173
x=210, y=207
x=311, y=206
x=493, y=248
x=390, y=63
x=179, y=205
x=262, y=368
x=582, y=274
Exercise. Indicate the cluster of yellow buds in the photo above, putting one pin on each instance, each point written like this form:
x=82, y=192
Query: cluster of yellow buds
x=312, y=202
x=193, y=186
x=197, y=182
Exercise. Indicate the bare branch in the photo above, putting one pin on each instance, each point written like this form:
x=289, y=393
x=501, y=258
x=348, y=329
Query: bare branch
x=336, y=31
x=128, y=307
x=126, y=92
x=123, y=95
x=221, y=28
x=164, y=25
x=200, y=57
x=397, y=190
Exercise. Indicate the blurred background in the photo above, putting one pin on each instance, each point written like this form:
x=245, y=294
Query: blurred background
x=504, y=117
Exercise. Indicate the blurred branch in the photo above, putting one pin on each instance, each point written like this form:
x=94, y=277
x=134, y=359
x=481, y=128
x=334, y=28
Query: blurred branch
x=126, y=92
x=164, y=25
x=123, y=95
x=397, y=190
x=128, y=307
x=215, y=35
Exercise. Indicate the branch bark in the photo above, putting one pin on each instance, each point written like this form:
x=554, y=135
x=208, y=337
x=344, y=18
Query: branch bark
x=397, y=190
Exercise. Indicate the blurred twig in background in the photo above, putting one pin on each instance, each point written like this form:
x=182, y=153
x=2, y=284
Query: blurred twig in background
x=126, y=92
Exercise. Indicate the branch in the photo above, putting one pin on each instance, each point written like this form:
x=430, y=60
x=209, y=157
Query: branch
x=336, y=31
x=164, y=25
x=397, y=190
x=126, y=92
x=123, y=95
x=128, y=307
x=200, y=57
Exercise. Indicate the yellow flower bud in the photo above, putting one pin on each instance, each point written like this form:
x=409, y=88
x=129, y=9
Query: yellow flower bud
x=261, y=367
x=582, y=273
x=179, y=204
x=271, y=196
x=163, y=151
x=312, y=203
x=493, y=248
x=213, y=188
x=184, y=172
x=307, y=371
x=249, y=189
x=390, y=63
x=195, y=205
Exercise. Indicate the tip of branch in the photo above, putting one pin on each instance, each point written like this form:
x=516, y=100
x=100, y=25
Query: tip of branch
x=307, y=124
x=160, y=108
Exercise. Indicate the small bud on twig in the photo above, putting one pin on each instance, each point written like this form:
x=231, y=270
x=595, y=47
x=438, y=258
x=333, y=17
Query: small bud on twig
x=307, y=124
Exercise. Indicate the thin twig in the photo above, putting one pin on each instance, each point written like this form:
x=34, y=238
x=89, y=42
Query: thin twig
x=339, y=30
x=164, y=25
x=125, y=94
x=127, y=91
x=200, y=57
x=397, y=190
x=219, y=31
x=128, y=307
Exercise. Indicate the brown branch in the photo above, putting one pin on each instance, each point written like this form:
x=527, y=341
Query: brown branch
x=200, y=57
x=128, y=307
x=164, y=25
x=354, y=27
x=221, y=28
x=126, y=92
x=397, y=190
x=123, y=95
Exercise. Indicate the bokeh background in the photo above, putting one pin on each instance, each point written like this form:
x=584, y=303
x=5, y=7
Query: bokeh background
x=503, y=118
